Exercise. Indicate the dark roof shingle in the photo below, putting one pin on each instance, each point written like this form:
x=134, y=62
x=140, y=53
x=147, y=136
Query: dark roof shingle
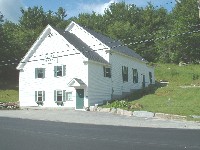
x=81, y=46
x=115, y=45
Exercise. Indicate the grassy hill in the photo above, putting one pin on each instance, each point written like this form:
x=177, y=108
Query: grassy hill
x=180, y=96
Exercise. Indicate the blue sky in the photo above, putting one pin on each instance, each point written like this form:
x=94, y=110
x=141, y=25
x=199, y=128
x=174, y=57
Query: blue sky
x=11, y=8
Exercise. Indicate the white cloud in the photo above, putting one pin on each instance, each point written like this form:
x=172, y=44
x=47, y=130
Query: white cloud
x=11, y=9
x=96, y=7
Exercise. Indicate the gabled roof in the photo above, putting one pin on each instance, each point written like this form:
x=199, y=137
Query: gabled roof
x=75, y=82
x=115, y=45
x=81, y=46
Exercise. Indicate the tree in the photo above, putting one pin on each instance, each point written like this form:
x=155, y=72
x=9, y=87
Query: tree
x=61, y=14
x=1, y=17
x=183, y=44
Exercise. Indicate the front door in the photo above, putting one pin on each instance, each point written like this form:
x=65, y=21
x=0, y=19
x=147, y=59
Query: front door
x=79, y=98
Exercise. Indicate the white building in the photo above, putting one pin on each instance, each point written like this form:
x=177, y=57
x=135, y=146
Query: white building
x=78, y=67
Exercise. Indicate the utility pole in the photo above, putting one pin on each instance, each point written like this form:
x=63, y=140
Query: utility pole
x=199, y=7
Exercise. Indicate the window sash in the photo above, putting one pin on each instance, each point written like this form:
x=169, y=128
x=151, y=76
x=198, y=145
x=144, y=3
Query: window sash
x=59, y=96
x=107, y=72
x=39, y=72
x=39, y=96
x=69, y=96
x=150, y=77
x=59, y=71
x=125, y=73
x=135, y=76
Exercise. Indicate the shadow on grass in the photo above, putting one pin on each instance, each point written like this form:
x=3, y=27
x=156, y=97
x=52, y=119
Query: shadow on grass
x=9, y=86
x=151, y=89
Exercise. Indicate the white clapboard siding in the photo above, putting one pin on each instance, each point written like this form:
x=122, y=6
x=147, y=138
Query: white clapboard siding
x=117, y=61
x=55, y=46
x=99, y=87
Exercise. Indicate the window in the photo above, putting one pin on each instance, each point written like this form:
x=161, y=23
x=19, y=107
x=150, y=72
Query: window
x=150, y=77
x=69, y=96
x=39, y=72
x=39, y=96
x=59, y=95
x=125, y=73
x=135, y=76
x=59, y=71
x=107, y=72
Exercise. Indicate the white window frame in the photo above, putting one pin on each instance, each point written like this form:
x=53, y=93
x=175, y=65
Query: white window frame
x=37, y=93
x=38, y=71
x=56, y=95
x=69, y=98
x=107, y=72
x=63, y=69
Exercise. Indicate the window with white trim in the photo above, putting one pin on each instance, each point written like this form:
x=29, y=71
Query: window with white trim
x=107, y=72
x=39, y=72
x=69, y=96
x=59, y=95
x=39, y=96
x=59, y=71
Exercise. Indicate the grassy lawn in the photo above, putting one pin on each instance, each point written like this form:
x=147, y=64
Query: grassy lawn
x=9, y=95
x=9, y=92
x=171, y=98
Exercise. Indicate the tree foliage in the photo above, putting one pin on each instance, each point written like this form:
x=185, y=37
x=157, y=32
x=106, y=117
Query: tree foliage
x=161, y=36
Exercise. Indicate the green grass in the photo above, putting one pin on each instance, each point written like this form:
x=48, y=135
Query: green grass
x=171, y=98
x=9, y=95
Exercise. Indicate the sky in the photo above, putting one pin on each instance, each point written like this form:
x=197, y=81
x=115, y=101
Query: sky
x=11, y=8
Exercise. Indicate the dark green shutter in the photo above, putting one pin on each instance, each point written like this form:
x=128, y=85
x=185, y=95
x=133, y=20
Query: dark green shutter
x=64, y=70
x=64, y=96
x=104, y=71
x=43, y=96
x=36, y=73
x=36, y=96
x=43, y=70
x=127, y=74
x=123, y=73
x=55, y=96
x=109, y=73
x=150, y=77
x=55, y=71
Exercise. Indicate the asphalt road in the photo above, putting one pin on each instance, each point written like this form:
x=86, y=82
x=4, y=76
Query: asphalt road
x=25, y=134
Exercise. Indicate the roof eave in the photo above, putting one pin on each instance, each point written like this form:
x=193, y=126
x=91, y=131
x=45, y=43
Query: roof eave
x=33, y=47
x=141, y=60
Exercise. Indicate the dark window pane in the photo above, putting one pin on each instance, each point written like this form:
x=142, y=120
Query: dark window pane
x=59, y=70
x=59, y=95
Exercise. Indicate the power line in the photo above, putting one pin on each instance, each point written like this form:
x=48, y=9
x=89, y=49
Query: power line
x=131, y=43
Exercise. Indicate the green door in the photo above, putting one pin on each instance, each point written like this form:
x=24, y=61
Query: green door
x=79, y=98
